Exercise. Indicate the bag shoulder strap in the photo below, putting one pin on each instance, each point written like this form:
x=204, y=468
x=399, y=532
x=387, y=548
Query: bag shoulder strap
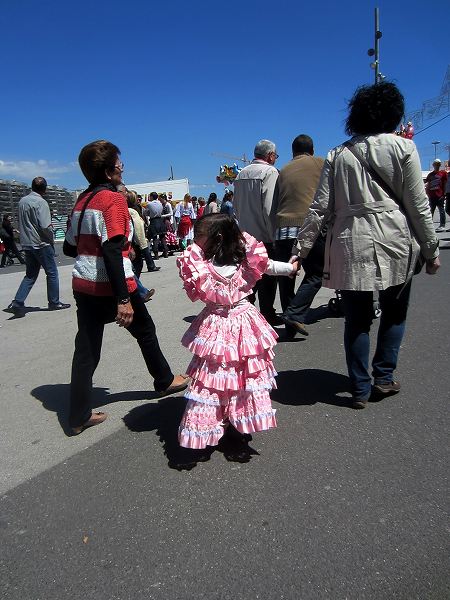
x=83, y=210
x=375, y=176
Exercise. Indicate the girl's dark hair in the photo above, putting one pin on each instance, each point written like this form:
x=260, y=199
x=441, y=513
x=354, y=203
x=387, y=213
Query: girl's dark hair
x=224, y=239
x=375, y=109
x=96, y=158
x=212, y=197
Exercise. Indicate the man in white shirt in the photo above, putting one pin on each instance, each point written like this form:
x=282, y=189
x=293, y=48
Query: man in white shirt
x=253, y=204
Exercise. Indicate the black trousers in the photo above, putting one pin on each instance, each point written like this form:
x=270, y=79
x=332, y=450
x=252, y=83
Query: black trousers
x=286, y=285
x=266, y=288
x=310, y=285
x=93, y=312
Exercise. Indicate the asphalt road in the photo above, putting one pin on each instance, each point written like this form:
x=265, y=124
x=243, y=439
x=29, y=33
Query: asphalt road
x=334, y=504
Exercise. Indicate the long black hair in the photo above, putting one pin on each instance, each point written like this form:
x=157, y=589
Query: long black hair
x=224, y=240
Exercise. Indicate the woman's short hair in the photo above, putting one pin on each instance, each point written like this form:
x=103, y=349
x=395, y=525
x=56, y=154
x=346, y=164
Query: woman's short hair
x=375, y=109
x=96, y=158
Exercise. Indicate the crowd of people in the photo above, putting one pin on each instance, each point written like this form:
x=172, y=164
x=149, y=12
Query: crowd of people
x=357, y=221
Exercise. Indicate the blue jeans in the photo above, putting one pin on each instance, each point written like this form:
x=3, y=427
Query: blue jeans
x=358, y=309
x=34, y=260
x=142, y=290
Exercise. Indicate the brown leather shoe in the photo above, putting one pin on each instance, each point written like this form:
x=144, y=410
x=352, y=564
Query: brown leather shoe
x=299, y=327
x=148, y=295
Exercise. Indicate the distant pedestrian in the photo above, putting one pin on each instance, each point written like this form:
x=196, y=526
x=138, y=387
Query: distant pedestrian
x=7, y=233
x=435, y=185
x=232, y=370
x=227, y=207
x=36, y=238
x=201, y=207
x=211, y=205
x=103, y=283
x=156, y=226
x=185, y=215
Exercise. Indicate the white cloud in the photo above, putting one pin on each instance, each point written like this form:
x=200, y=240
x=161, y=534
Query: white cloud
x=29, y=169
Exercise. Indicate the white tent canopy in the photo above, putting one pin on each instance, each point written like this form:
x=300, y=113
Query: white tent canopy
x=175, y=189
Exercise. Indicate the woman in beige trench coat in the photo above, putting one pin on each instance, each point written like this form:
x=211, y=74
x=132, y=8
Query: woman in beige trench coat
x=373, y=242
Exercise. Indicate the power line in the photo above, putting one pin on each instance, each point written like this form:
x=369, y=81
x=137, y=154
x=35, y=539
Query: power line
x=432, y=124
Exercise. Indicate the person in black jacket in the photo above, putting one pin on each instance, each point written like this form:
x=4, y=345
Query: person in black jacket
x=7, y=235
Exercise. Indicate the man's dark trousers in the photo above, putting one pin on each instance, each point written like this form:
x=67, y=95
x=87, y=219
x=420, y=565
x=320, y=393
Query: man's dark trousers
x=310, y=285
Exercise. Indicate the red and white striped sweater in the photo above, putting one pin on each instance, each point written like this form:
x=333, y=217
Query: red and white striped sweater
x=106, y=216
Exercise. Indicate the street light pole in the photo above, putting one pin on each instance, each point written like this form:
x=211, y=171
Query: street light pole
x=375, y=51
x=377, y=44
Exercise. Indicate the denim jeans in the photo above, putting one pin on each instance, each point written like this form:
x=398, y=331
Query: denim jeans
x=142, y=290
x=358, y=309
x=34, y=260
x=439, y=203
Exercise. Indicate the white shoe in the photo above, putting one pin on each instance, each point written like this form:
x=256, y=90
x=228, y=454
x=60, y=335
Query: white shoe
x=439, y=229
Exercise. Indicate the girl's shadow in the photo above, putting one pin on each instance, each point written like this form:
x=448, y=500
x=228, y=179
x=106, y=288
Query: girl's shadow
x=164, y=418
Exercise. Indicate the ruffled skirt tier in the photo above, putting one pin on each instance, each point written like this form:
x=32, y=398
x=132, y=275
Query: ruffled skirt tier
x=232, y=374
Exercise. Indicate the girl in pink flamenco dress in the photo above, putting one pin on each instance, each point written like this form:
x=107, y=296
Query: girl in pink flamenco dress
x=232, y=371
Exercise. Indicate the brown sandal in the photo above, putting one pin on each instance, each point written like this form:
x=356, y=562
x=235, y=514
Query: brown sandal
x=172, y=389
x=96, y=419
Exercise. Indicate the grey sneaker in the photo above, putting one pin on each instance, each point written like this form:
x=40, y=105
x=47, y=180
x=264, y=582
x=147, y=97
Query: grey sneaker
x=440, y=229
x=386, y=389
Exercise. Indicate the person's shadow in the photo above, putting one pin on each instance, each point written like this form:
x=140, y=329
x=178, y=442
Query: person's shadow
x=55, y=398
x=306, y=387
x=26, y=309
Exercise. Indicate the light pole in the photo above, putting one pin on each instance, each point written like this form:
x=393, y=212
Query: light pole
x=435, y=144
x=375, y=52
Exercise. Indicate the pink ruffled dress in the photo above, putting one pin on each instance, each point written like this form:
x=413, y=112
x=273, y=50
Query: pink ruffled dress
x=232, y=370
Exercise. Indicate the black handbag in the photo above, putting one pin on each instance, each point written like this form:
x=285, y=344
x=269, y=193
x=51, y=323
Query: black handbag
x=389, y=191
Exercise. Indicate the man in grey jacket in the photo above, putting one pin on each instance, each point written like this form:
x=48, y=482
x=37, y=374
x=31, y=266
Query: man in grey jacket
x=253, y=204
x=36, y=238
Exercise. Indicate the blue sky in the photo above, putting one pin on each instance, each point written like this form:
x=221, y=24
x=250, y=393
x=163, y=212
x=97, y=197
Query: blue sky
x=173, y=82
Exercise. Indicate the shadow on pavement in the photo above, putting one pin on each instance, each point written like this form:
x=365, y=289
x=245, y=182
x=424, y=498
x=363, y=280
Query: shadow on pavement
x=189, y=318
x=319, y=313
x=27, y=309
x=309, y=386
x=164, y=418
x=55, y=398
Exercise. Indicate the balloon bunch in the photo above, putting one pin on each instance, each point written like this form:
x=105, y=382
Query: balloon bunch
x=228, y=174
